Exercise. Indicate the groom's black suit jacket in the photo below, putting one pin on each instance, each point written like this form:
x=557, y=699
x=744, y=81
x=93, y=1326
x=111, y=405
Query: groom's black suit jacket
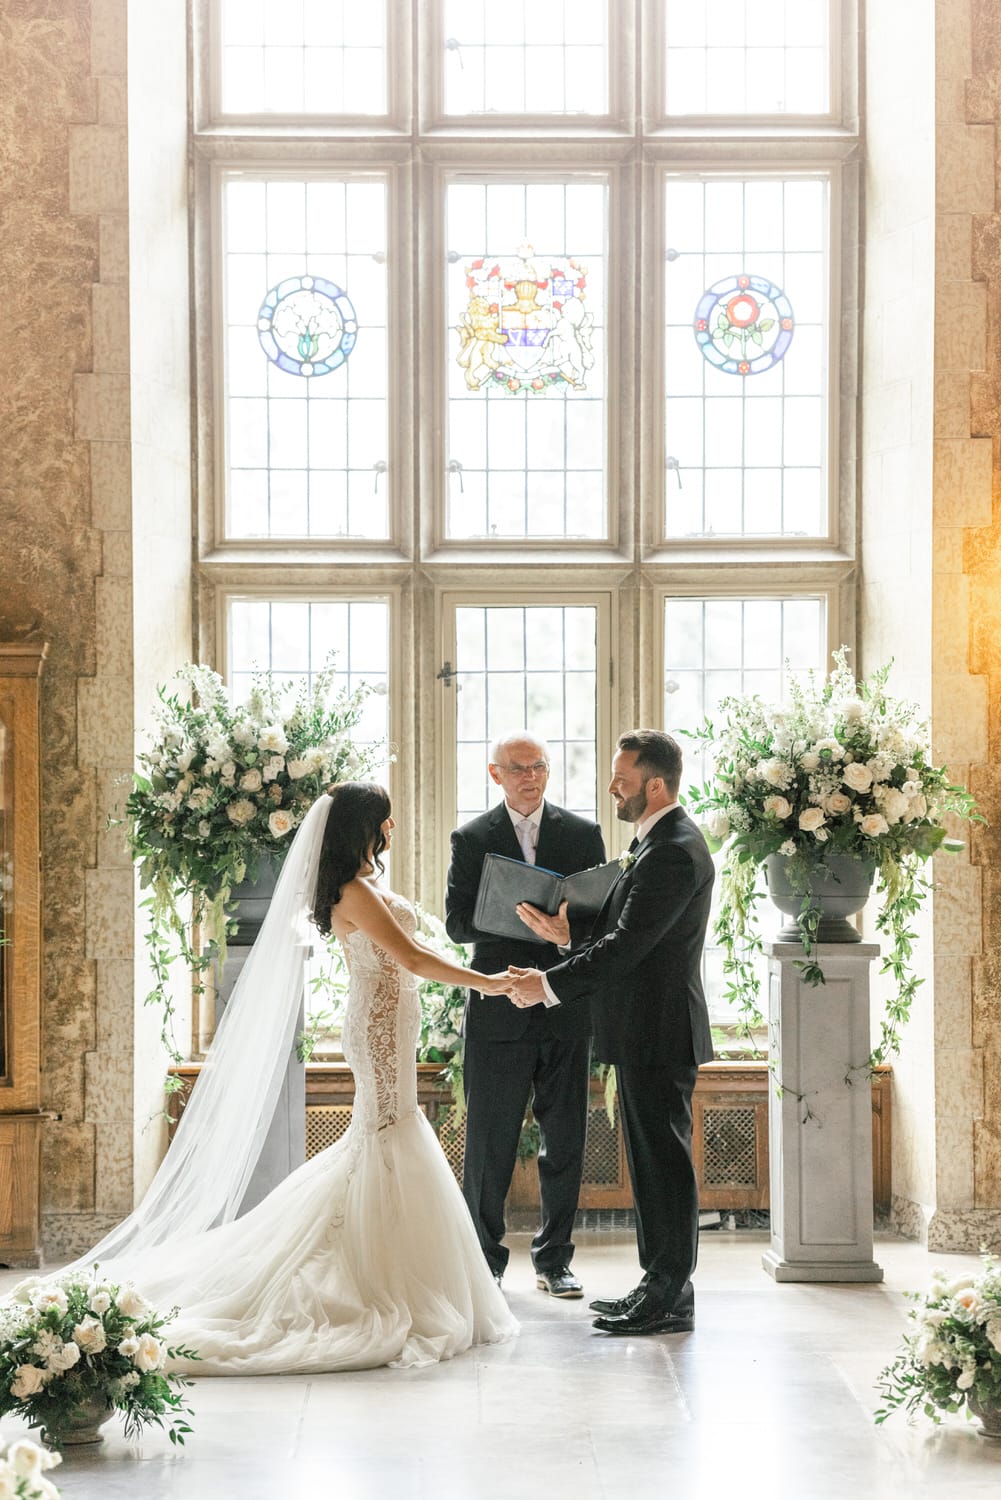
x=641, y=971
x=567, y=843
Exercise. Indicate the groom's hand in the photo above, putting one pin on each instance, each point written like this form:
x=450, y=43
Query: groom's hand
x=551, y=929
x=527, y=988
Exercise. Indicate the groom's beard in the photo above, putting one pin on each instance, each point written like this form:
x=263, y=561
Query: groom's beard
x=631, y=809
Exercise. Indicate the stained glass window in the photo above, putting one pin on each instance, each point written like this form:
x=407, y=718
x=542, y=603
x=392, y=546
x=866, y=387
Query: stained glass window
x=305, y=309
x=313, y=57
x=717, y=647
x=747, y=57
x=746, y=356
x=526, y=359
x=528, y=667
x=521, y=58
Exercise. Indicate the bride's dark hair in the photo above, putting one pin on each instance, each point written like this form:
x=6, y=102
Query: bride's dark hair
x=353, y=829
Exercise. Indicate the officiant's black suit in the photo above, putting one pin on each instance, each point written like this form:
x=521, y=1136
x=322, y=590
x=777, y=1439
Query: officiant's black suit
x=641, y=973
x=511, y=1054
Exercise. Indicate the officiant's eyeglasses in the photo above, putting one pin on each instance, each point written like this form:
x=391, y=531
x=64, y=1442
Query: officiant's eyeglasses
x=537, y=768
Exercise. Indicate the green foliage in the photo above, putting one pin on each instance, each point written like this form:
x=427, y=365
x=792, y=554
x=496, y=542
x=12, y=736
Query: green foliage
x=839, y=769
x=67, y=1340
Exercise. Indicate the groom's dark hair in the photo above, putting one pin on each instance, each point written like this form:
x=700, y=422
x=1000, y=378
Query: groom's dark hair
x=353, y=829
x=657, y=754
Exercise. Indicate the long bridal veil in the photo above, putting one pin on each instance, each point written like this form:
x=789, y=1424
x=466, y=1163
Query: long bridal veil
x=221, y=1133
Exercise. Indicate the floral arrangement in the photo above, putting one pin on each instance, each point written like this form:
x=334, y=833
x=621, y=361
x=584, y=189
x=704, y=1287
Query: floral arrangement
x=840, y=769
x=22, y=1466
x=222, y=788
x=66, y=1340
x=952, y=1350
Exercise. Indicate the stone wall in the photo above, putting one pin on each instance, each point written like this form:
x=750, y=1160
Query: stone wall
x=68, y=557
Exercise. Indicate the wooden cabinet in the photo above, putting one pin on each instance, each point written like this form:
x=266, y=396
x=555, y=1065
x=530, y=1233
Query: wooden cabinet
x=21, y=1115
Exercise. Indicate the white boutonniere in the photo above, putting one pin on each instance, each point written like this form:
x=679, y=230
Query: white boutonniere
x=626, y=859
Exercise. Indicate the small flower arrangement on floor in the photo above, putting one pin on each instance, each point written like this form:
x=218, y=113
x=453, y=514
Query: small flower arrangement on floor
x=952, y=1350
x=70, y=1342
x=22, y=1466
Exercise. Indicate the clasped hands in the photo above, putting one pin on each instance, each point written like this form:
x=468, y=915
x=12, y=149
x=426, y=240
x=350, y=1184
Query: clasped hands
x=524, y=987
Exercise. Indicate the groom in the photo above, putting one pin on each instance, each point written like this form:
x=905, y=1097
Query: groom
x=641, y=972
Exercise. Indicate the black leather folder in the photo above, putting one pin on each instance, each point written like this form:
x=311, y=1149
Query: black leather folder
x=504, y=882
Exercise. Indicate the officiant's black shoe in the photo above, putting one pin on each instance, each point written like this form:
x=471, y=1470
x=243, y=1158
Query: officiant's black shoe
x=559, y=1283
x=648, y=1316
x=615, y=1306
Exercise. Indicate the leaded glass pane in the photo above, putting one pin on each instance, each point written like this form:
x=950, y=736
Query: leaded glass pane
x=302, y=57
x=306, y=366
x=526, y=359
x=522, y=58
x=747, y=57
x=746, y=356
x=717, y=647
x=296, y=638
x=534, y=668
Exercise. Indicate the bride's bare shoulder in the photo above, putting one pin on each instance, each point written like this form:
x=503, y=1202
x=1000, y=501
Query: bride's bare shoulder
x=353, y=912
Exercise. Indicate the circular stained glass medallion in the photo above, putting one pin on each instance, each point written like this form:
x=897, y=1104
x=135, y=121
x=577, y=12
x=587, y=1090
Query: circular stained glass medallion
x=744, y=324
x=307, y=325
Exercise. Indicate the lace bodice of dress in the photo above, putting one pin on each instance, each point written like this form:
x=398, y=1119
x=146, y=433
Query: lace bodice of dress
x=381, y=1027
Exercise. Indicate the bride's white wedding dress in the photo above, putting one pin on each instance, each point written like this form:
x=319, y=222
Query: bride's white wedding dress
x=365, y=1255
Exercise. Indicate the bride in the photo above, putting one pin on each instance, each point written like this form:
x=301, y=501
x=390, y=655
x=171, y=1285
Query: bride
x=366, y=1254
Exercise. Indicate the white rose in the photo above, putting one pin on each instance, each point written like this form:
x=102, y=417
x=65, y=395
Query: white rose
x=251, y=781
x=200, y=797
x=297, y=769
x=128, y=1346
x=719, y=825
x=273, y=767
x=273, y=738
x=28, y=1381
x=25, y=1290
x=280, y=823
x=880, y=767
x=28, y=1460
x=917, y=808
x=811, y=818
x=892, y=804
x=150, y=1354
x=240, y=812
x=49, y=1297
x=227, y=772
x=64, y=1358
x=837, y=803
x=873, y=825
x=777, y=807
x=810, y=760
x=99, y=1300
x=821, y=835
x=858, y=777
x=966, y=1379
x=132, y=1303
x=90, y=1336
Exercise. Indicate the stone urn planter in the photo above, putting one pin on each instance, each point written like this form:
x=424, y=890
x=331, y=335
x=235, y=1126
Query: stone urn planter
x=838, y=889
x=80, y=1425
x=989, y=1416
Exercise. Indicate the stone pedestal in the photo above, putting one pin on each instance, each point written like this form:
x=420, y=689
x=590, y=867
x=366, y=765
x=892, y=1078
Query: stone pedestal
x=820, y=1116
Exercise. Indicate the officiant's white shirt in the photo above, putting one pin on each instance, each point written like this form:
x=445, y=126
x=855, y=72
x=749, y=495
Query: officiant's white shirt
x=535, y=819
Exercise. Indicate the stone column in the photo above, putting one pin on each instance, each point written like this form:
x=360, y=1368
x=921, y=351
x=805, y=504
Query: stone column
x=820, y=1116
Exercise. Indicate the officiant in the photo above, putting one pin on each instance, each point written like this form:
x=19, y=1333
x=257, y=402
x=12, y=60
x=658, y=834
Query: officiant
x=513, y=1056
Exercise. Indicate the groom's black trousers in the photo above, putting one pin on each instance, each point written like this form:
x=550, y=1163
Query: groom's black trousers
x=656, y=1111
x=499, y=1079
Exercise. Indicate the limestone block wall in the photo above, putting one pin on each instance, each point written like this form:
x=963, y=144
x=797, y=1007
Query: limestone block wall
x=67, y=510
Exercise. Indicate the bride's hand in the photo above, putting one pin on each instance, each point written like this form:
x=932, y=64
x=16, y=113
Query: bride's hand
x=493, y=984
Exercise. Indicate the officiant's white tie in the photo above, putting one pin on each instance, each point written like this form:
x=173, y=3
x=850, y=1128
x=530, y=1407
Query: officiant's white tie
x=526, y=838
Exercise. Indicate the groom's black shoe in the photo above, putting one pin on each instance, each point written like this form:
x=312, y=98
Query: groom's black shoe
x=616, y=1306
x=559, y=1283
x=648, y=1315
